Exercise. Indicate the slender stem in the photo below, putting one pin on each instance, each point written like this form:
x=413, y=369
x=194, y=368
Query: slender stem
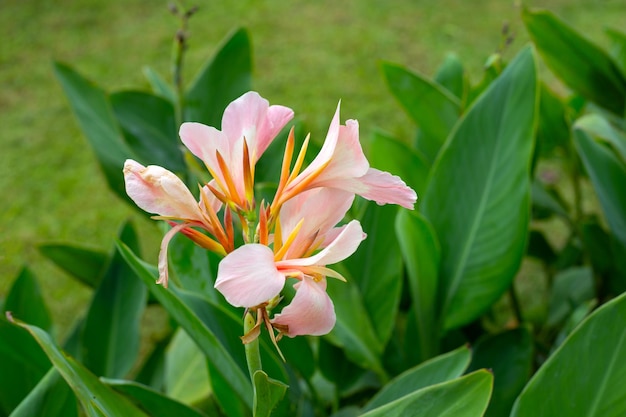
x=253, y=354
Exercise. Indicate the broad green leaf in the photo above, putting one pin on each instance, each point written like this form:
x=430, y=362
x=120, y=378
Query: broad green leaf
x=151, y=401
x=389, y=154
x=618, y=48
x=376, y=267
x=491, y=70
x=95, y=116
x=574, y=319
x=571, y=288
x=467, y=396
x=599, y=128
x=509, y=356
x=159, y=85
x=478, y=195
x=152, y=371
x=433, y=108
x=52, y=397
x=422, y=254
x=553, y=130
x=96, y=398
x=233, y=376
x=442, y=368
x=346, y=377
x=582, y=65
x=149, y=127
x=267, y=393
x=26, y=301
x=110, y=339
x=585, y=376
x=608, y=175
x=224, y=78
x=22, y=365
x=186, y=376
x=451, y=75
x=86, y=265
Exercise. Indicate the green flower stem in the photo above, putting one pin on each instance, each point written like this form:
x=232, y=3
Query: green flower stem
x=253, y=354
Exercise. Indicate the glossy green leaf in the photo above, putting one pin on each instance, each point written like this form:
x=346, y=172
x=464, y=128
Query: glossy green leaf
x=376, y=267
x=433, y=108
x=151, y=401
x=389, y=154
x=95, y=116
x=159, y=85
x=509, y=356
x=26, y=302
x=233, y=376
x=451, y=75
x=22, y=365
x=110, y=339
x=582, y=65
x=442, y=368
x=422, y=254
x=585, y=376
x=96, y=398
x=608, y=175
x=267, y=393
x=478, y=196
x=186, y=377
x=149, y=127
x=491, y=70
x=224, y=78
x=52, y=397
x=571, y=288
x=86, y=265
x=467, y=396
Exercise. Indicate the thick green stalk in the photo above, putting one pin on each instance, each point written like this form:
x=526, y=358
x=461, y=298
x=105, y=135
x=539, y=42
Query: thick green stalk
x=253, y=354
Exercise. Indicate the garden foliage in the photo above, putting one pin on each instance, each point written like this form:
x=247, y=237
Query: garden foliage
x=431, y=321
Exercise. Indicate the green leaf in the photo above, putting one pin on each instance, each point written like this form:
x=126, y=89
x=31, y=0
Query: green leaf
x=433, y=108
x=86, y=265
x=467, y=396
x=585, y=376
x=376, y=267
x=389, y=154
x=149, y=127
x=96, y=398
x=422, y=254
x=26, y=301
x=600, y=129
x=442, y=368
x=618, y=48
x=233, y=376
x=608, y=175
x=553, y=130
x=542, y=199
x=95, y=116
x=151, y=401
x=186, y=376
x=52, y=397
x=23, y=364
x=451, y=75
x=159, y=85
x=509, y=356
x=571, y=288
x=224, y=78
x=478, y=196
x=110, y=339
x=582, y=65
x=267, y=393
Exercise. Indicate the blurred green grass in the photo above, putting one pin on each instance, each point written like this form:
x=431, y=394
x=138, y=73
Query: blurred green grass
x=307, y=55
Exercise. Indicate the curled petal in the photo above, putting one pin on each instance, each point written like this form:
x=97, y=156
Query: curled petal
x=163, y=267
x=311, y=311
x=248, y=277
x=157, y=190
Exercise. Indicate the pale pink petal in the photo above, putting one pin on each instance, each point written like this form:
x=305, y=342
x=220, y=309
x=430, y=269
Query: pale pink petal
x=277, y=117
x=342, y=247
x=163, y=266
x=379, y=186
x=248, y=277
x=204, y=141
x=157, y=190
x=311, y=311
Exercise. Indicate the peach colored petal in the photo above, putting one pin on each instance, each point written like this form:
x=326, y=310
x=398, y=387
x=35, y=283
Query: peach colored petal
x=204, y=141
x=311, y=311
x=248, y=277
x=157, y=190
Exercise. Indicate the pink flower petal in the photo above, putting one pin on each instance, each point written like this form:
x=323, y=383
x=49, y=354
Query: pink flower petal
x=203, y=141
x=248, y=277
x=157, y=190
x=311, y=311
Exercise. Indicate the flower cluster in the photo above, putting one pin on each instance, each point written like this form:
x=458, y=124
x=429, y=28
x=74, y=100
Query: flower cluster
x=295, y=236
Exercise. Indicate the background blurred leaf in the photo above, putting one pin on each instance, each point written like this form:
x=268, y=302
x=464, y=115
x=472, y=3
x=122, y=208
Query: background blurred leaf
x=584, y=377
x=451, y=75
x=87, y=265
x=224, y=78
x=553, y=130
x=110, y=339
x=52, y=397
x=571, y=288
x=618, y=48
x=26, y=302
x=159, y=85
x=95, y=116
x=583, y=66
x=478, y=194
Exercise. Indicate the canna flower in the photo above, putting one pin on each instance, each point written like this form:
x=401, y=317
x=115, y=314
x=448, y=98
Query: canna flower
x=249, y=125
